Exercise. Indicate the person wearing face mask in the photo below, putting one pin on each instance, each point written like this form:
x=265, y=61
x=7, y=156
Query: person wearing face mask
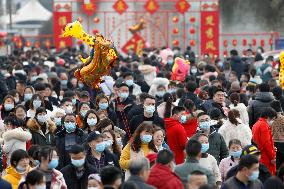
x=67, y=106
x=94, y=182
x=207, y=160
x=111, y=143
x=175, y=133
x=102, y=103
x=34, y=180
x=67, y=137
x=48, y=159
x=235, y=151
x=262, y=137
x=57, y=115
x=149, y=115
x=161, y=91
x=161, y=174
x=28, y=94
x=219, y=150
x=134, y=89
x=8, y=106
x=91, y=121
x=18, y=169
x=122, y=106
x=81, y=114
x=36, y=102
x=140, y=146
x=42, y=128
x=98, y=156
x=77, y=172
x=247, y=175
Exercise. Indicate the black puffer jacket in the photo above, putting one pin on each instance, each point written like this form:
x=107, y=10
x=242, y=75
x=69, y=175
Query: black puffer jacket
x=262, y=100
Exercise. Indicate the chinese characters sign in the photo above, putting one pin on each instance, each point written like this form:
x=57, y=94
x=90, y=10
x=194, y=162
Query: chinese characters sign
x=60, y=19
x=137, y=43
x=210, y=33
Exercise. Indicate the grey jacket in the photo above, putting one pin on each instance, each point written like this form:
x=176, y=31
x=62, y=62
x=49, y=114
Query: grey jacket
x=191, y=165
x=139, y=182
x=234, y=183
x=262, y=100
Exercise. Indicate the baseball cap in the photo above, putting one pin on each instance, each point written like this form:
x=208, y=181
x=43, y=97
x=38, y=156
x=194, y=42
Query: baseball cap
x=250, y=149
x=94, y=136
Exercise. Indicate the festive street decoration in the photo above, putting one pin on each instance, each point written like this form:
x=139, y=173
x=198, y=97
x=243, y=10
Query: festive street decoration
x=192, y=31
x=180, y=69
x=96, y=20
x=225, y=43
x=137, y=27
x=120, y=6
x=89, y=8
x=253, y=42
x=95, y=31
x=175, y=31
x=262, y=43
x=192, y=19
x=137, y=43
x=234, y=42
x=101, y=59
x=192, y=43
x=176, y=42
x=182, y=6
x=281, y=72
x=244, y=42
x=175, y=19
x=151, y=6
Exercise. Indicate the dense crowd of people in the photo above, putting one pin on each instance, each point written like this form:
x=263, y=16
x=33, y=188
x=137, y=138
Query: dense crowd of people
x=221, y=126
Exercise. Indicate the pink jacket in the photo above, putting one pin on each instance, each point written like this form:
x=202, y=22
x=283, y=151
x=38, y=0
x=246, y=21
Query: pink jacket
x=225, y=165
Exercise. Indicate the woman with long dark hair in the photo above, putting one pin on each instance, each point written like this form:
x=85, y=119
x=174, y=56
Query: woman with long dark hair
x=140, y=145
x=102, y=103
x=91, y=121
x=165, y=108
x=34, y=180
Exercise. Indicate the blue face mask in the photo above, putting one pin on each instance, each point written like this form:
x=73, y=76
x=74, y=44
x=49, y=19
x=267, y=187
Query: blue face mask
x=64, y=82
x=42, y=118
x=129, y=82
x=149, y=109
x=78, y=163
x=123, y=95
x=254, y=176
x=236, y=154
x=183, y=119
x=36, y=104
x=74, y=101
x=103, y=106
x=28, y=96
x=204, y=125
x=108, y=143
x=8, y=107
x=70, y=127
x=160, y=93
x=53, y=164
x=204, y=148
x=83, y=113
x=100, y=147
x=92, y=121
x=146, y=138
x=57, y=121
x=172, y=90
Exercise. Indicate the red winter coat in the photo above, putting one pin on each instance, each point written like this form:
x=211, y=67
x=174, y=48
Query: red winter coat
x=262, y=136
x=176, y=137
x=162, y=177
x=190, y=127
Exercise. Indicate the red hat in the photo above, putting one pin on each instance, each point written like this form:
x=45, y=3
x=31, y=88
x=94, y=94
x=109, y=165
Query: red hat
x=61, y=62
x=152, y=157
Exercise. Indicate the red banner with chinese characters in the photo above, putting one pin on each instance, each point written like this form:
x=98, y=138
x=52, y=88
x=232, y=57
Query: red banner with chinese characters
x=137, y=43
x=60, y=19
x=210, y=33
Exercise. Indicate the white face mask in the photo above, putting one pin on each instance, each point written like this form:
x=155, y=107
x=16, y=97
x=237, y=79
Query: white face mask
x=93, y=187
x=40, y=186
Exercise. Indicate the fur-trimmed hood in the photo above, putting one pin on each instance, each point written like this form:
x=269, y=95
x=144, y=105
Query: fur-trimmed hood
x=18, y=134
x=33, y=125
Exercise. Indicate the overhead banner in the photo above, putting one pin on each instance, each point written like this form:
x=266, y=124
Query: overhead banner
x=210, y=33
x=60, y=19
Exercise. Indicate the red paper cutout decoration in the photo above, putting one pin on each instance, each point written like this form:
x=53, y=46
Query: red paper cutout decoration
x=89, y=8
x=244, y=42
x=151, y=6
x=234, y=42
x=120, y=6
x=225, y=53
x=225, y=43
x=182, y=6
x=262, y=43
x=254, y=42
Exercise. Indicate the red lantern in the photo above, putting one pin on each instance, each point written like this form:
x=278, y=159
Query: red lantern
x=37, y=44
x=175, y=42
x=254, y=42
x=28, y=43
x=192, y=19
x=175, y=19
x=192, y=31
x=67, y=6
x=47, y=43
x=79, y=42
x=235, y=42
x=175, y=31
x=95, y=31
x=19, y=44
x=270, y=41
x=225, y=53
x=57, y=7
x=225, y=43
x=244, y=42
x=262, y=43
x=192, y=43
x=96, y=20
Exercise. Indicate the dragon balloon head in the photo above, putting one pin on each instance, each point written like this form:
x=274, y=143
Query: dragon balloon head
x=281, y=58
x=73, y=29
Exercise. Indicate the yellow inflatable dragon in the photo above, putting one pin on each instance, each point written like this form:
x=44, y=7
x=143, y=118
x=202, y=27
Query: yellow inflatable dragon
x=101, y=59
x=281, y=72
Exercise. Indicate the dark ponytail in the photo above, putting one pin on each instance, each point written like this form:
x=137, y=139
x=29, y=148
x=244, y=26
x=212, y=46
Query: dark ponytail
x=233, y=115
x=235, y=98
x=168, y=98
